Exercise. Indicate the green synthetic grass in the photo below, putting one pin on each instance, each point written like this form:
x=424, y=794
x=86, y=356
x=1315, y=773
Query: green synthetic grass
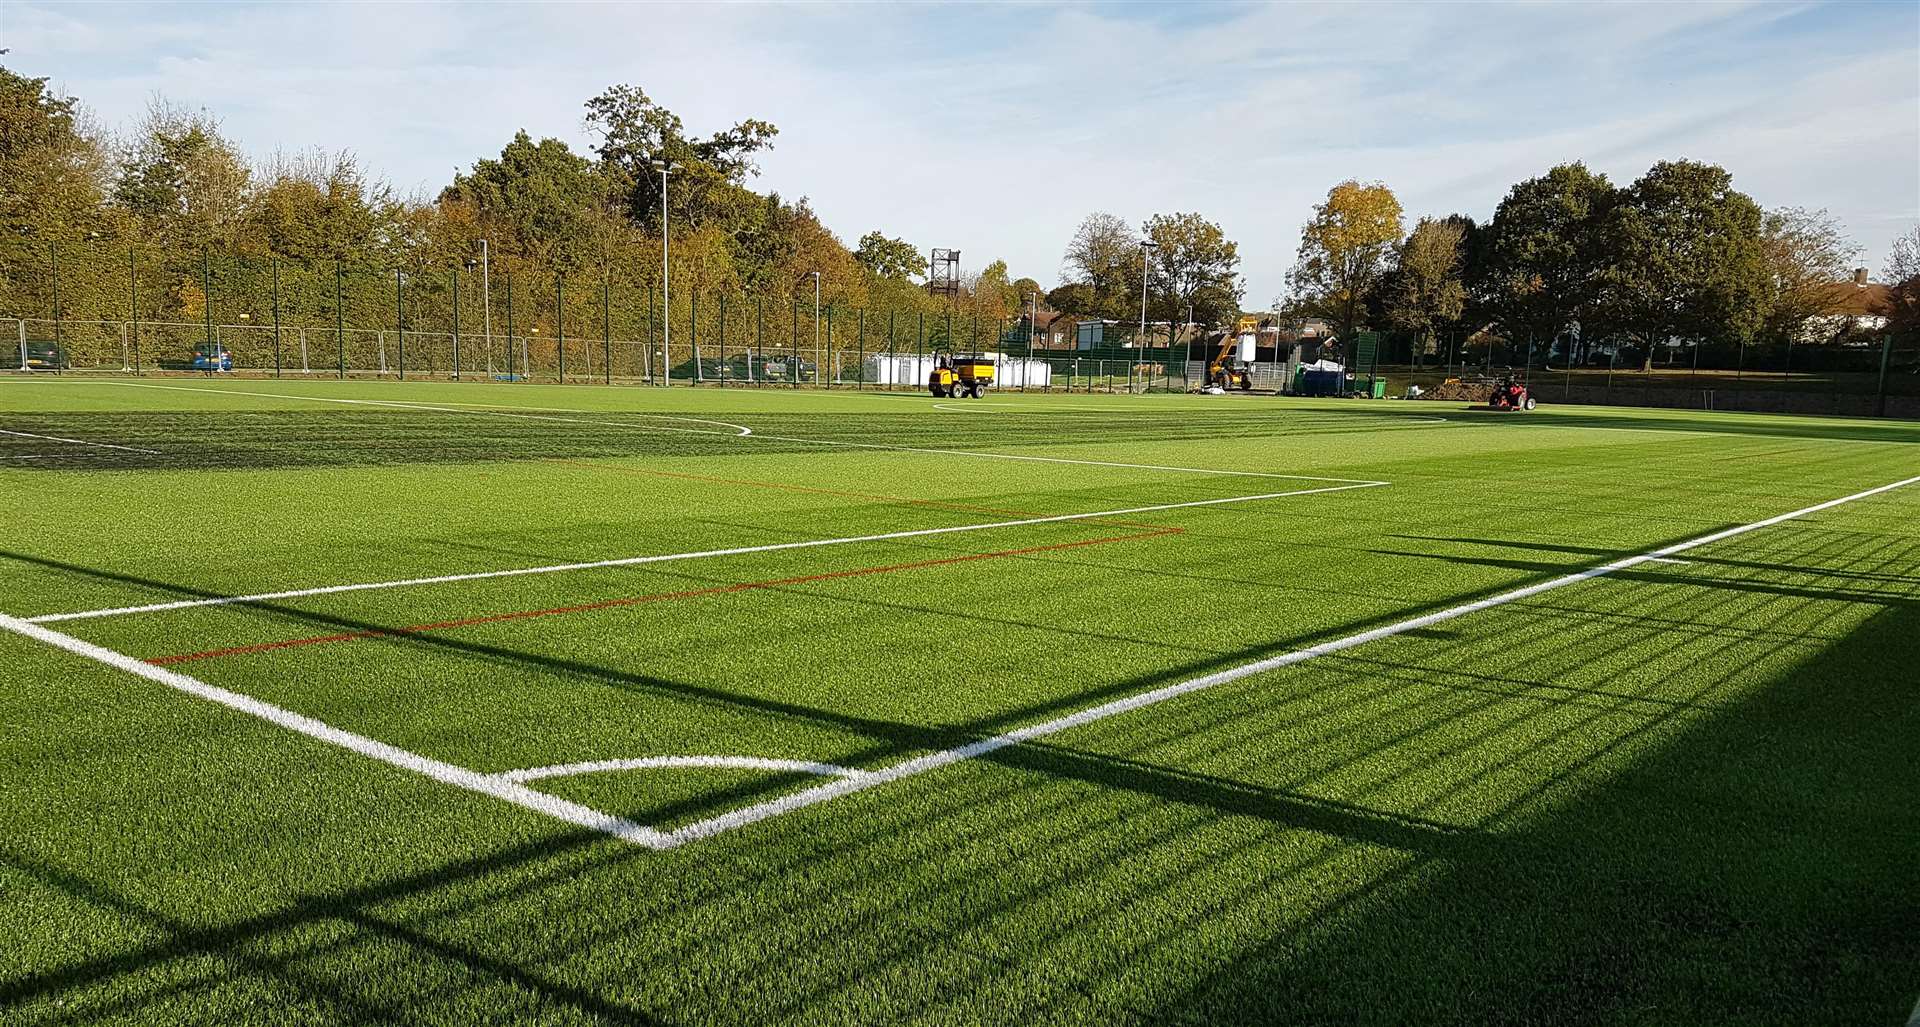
x=1682, y=793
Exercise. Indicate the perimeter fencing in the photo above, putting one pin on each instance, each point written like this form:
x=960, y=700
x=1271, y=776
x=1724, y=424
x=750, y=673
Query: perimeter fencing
x=136, y=309
x=140, y=309
x=1855, y=374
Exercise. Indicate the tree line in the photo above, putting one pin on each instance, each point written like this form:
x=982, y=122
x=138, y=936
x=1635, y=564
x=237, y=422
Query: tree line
x=1569, y=261
x=1577, y=266
x=170, y=208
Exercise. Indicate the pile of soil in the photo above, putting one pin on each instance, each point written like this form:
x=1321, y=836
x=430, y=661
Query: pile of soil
x=1460, y=391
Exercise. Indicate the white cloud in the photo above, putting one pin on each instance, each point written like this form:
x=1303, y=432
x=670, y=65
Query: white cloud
x=996, y=128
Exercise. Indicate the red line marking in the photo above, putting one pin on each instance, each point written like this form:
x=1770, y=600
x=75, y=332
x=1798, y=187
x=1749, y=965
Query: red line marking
x=658, y=597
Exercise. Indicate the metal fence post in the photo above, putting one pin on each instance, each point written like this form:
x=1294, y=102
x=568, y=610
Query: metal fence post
x=693, y=333
x=606, y=326
x=559, y=323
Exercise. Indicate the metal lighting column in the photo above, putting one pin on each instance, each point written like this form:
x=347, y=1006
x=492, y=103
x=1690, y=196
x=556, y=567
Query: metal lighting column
x=1033, y=332
x=523, y=353
x=206, y=293
x=817, y=355
x=276, y=317
x=133, y=306
x=793, y=340
x=1886, y=358
x=53, y=266
x=693, y=334
x=606, y=326
x=400, y=320
x=1145, y=247
x=456, y=323
x=559, y=323
x=666, y=288
x=339, y=319
x=860, y=375
x=486, y=302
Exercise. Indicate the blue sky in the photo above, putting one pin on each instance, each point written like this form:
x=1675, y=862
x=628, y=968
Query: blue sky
x=995, y=129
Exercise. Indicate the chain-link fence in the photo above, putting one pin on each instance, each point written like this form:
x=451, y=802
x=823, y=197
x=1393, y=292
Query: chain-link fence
x=120, y=308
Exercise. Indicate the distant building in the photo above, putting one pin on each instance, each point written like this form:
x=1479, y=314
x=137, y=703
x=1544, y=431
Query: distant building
x=1858, y=305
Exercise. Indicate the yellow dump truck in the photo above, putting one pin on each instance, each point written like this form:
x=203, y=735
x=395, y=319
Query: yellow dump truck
x=960, y=376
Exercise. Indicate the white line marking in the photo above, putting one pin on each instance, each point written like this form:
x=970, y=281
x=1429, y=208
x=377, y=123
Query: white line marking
x=631, y=561
x=746, y=432
x=1662, y=559
x=446, y=773
x=967, y=409
x=847, y=786
x=677, y=763
x=79, y=442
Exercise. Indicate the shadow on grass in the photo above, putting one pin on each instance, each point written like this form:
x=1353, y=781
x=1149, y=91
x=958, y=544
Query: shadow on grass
x=1757, y=868
x=894, y=739
x=1769, y=840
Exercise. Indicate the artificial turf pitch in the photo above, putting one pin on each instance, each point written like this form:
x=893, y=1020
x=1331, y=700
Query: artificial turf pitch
x=1679, y=792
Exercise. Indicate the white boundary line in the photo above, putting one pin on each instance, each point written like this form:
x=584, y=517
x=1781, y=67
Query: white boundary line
x=78, y=442
x=631, y=561
x=847, y=786
x=680, y=763
x=742, y=431
x=498, y=786
x=446, y=773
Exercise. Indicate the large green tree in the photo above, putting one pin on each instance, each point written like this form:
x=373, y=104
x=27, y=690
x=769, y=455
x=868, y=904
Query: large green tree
x=1103, y=255
x=1346, y=251
x=543, y=200
x=1428, y=286
x=1195, y=266
x=1545, y=253
x=635, y=132
x=1687, y=258
x=890, y=258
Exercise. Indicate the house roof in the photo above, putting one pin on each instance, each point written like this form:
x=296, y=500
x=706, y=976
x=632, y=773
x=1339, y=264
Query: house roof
x=1855, y=299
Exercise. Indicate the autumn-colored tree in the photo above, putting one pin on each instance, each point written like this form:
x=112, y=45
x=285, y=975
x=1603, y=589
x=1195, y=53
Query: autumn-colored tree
x=1345, y=252
x=1902, y=274
x=1807, y=261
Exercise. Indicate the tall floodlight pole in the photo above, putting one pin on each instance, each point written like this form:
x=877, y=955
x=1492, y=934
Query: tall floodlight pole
x=819, y=356
x=1146, y=247
x=666, y=295
x=486, y=300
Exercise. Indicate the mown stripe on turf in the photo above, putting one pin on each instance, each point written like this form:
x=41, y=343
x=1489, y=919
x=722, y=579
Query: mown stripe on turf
x=658, y=597
x=946, y=757
x=634, y=561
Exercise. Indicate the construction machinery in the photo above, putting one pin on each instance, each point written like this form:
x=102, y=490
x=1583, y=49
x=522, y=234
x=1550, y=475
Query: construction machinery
x=960, y=376
x=1232, y=366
